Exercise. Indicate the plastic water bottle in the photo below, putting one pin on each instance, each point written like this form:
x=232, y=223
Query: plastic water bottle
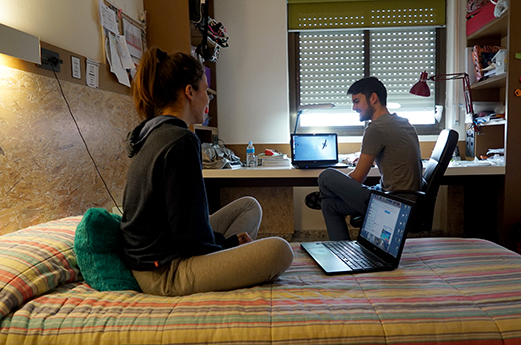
x=250, y=155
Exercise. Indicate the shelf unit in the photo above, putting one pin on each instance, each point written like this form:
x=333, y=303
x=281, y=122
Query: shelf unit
x=503, y=31
x=210, y=132
x=169, y=28
x=490, y=136
x=494, y=82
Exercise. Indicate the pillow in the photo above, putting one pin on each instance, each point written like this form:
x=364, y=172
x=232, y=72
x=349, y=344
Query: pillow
x=35, y=260
x=99, y=253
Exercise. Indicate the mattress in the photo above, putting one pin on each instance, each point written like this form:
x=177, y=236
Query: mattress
x=446, y=291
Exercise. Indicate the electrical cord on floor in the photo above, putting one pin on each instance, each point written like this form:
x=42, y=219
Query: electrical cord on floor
x=54, y=62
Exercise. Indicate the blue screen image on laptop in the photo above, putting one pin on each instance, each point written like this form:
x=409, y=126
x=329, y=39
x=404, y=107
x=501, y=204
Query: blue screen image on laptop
x=311, y=148
x=382, y=213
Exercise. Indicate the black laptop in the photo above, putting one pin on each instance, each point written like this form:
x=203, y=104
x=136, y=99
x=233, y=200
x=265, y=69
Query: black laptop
x=380, y=241
x=315, y=151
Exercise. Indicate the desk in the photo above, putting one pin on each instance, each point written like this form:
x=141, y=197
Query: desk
x=302, y=174
x=481, y=185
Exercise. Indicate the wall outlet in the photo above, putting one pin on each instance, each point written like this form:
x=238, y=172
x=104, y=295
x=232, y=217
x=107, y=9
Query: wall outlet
x=51, y=60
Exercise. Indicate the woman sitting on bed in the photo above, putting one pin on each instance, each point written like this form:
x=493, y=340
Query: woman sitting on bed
x=171, y=243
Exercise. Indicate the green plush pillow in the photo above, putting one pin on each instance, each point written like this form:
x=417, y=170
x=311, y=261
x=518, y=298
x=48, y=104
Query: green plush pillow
x=98, y=252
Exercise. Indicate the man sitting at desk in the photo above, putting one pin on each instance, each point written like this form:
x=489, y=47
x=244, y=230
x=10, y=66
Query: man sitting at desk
x=389, y=140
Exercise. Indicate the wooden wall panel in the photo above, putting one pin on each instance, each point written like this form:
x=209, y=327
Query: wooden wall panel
x=45, y=172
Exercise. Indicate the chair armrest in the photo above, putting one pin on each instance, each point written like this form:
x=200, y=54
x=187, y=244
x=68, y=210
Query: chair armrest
x=409, y=194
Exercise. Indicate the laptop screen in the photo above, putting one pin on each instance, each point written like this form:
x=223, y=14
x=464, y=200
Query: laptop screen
x=314, y=147
x=385, y=222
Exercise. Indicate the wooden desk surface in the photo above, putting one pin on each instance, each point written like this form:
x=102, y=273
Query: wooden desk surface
x=264, y=172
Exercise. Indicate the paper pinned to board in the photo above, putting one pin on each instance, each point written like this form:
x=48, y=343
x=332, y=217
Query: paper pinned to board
x=133, y=38
x=108, y=18
x=114, y=60
x=123, y=53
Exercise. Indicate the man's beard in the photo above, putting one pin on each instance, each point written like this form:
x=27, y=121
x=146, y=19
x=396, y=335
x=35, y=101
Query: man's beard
x=367, y=114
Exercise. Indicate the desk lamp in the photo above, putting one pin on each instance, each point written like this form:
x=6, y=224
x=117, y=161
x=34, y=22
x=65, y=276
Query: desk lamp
x=422, y=89
x=301, y=109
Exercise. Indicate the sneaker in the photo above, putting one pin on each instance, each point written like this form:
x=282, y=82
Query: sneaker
x=313, y=200
x=357, y=220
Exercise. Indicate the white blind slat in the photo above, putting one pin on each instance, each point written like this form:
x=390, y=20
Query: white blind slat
x=331, y=61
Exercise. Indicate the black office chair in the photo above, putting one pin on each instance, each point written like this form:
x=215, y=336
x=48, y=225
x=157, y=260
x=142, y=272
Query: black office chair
x=431, y=179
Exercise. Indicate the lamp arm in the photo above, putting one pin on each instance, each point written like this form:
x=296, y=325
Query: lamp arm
x=469, y=108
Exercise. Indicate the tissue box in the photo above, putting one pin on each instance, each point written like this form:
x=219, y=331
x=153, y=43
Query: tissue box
x=501, y=61
x=480, y=17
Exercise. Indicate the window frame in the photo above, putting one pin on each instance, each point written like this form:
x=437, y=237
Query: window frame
x=294, y=87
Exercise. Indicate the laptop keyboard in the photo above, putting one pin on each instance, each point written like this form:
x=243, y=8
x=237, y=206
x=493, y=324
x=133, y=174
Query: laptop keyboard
x=352, y=255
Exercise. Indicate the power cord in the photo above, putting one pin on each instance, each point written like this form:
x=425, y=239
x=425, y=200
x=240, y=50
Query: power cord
x=54, y=62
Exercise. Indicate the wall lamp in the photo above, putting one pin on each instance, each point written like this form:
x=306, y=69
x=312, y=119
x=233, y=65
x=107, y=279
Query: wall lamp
x=19, y=44
x=422, y=89
x=302, y=108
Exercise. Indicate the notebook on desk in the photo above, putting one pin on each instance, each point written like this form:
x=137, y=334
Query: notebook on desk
x=315, y=151
x=380, y=241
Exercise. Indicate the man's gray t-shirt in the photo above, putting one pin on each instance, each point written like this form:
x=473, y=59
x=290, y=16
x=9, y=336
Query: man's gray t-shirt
x=394, y=143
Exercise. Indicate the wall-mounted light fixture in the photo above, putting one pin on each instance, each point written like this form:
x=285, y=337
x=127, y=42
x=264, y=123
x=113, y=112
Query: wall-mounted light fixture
x=19, y=44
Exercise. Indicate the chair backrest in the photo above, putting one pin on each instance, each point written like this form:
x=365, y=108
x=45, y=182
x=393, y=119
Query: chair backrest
x=438, y=162
x=432, y=175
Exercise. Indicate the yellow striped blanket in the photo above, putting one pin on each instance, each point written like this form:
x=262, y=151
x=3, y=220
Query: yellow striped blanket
x=446, y=291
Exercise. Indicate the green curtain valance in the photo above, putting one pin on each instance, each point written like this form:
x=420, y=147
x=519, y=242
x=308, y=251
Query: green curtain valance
x=358, y=14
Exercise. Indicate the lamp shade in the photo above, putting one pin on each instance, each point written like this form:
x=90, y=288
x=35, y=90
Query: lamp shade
x=421, y=88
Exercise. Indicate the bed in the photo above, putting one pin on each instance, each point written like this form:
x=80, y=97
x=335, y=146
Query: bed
x=446, y=291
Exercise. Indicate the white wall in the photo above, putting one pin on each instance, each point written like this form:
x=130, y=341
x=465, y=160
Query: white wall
x=68, y=24
x=252, y=74
x=456, y=39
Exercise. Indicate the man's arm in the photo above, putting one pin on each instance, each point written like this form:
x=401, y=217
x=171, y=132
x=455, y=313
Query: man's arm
x=365, y=162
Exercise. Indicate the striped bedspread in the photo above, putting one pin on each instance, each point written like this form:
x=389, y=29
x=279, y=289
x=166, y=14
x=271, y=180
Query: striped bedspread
x=446, y=291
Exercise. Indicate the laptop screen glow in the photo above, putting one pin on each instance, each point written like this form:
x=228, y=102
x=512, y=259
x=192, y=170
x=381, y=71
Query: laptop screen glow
x=314, y=147
x=385, y=222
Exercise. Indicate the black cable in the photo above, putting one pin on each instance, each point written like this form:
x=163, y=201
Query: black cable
x=53, y=63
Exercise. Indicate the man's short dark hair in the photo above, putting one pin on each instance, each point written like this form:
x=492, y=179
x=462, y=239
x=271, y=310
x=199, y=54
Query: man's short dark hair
x=367, y=86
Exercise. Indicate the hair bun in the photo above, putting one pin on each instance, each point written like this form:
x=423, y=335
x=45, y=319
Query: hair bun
x=161, y=55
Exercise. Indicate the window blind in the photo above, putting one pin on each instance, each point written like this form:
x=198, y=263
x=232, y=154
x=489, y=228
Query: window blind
x=342, y=14
x=396, y=58
x=331, y=61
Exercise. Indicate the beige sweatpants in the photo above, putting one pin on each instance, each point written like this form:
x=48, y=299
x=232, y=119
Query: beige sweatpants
x=249, y=264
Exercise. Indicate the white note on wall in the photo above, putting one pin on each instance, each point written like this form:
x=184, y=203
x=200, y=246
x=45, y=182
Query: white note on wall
x=75, y=65
x=92, y=73
x=108, y=18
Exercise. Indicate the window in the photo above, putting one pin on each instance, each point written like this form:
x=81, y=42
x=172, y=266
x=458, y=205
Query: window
x=331, y=45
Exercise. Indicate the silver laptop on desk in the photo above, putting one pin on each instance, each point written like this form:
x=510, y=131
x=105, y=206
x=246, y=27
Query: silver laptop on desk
x=315, y=151
x=380, y=241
